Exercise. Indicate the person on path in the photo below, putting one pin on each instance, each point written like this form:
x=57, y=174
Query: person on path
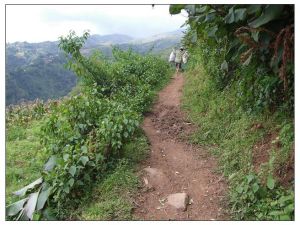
x=178, y=58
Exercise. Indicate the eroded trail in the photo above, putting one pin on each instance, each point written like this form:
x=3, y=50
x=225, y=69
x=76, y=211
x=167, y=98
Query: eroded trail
x=174, y=166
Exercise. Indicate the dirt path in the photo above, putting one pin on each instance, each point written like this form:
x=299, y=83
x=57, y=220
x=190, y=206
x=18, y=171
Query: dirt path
x=174, y=166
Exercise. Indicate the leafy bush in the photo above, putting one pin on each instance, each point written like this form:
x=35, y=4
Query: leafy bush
x=228, y=131
x=253, y=201
x=235, y=37
x=84, y=132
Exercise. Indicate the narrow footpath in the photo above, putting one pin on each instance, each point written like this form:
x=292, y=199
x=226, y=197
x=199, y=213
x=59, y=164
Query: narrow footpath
x=180, y=182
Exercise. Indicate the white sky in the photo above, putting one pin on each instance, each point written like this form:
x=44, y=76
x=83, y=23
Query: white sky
x=36, y=23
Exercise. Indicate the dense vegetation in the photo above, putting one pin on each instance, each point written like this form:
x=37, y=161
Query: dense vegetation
x=83, y=135
x=36, y=70
x=240, y=91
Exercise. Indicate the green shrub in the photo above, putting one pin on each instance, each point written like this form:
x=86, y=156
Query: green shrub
x=84, y=133
x=251, y=200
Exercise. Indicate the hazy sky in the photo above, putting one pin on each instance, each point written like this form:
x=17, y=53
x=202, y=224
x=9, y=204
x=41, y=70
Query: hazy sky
x=36, y=23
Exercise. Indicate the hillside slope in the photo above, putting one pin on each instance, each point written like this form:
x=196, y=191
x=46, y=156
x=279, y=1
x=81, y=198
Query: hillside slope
x=36, y=70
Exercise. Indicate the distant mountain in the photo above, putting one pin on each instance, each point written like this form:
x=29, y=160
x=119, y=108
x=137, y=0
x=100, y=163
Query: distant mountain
x=36, y=70
x=110, y=39
x=153, y=44
x=174, y=35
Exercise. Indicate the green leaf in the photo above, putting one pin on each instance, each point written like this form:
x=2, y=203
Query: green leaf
x=84, y=149
x=72, y=170
x=233, y=175
x=71, y=182
x=289, y=208
x=191, y=9
x=239, y=190
x=91, y=163
x=66, y=157
x=176, y=9
x=209, y=17
x=224, y=66
x=239, y=14
x=212, y=31
x=275, y=213
x=194, y=37
x=250, y=178
x=31, y=205
x=87, y=177
x=255, y=187
x=283, y=199
x=43, y=198
x=255, y=35
x=229, y=18
x=284, y=217
x=22, y=191
x=50, y=163
x=84, y=159
x=202, y=9
x=270, y=182
x=66, y=189
x=270, y=13
x=48, y=214
x=36, y=217
x=16, y=207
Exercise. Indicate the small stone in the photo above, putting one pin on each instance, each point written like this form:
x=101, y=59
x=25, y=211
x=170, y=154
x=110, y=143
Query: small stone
x=178, y=201
x=146, y=181
x=156, y=177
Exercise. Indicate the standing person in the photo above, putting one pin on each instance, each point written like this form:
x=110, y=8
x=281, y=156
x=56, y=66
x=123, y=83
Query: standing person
x=178, y=59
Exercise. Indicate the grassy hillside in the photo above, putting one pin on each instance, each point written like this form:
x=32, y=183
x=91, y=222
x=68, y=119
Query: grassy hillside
x=255, y=151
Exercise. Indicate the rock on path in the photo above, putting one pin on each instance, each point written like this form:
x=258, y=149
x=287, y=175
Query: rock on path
x=178, y=200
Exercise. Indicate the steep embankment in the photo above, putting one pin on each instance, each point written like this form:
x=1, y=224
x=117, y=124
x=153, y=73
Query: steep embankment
x=175, y=166
x=255, y=151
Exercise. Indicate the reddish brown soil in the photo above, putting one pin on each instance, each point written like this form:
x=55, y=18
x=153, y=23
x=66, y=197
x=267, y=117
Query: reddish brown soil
x=286, y=174
x=261, y=151
x=182, y=167
x=261, y=155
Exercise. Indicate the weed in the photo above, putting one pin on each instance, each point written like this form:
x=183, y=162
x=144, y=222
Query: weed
x=24, y=157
